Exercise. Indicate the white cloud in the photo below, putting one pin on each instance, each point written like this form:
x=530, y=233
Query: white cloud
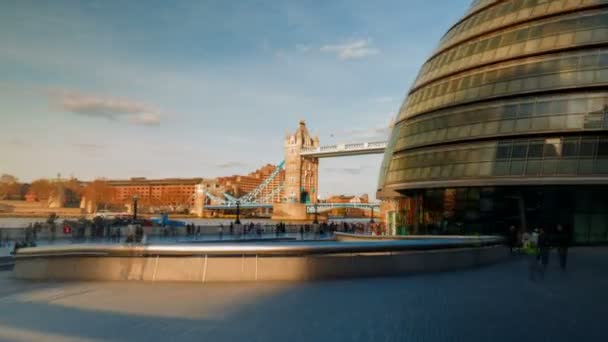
x=377, y=133
x=353, y=50
x=106, y=107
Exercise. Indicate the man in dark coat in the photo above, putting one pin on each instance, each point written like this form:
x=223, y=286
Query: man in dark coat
x=543, y=247
x=562, y=242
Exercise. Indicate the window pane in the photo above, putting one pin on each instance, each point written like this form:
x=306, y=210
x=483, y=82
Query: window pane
x=570, y=148
x=517, y=168
x=519, y=151
x=585, y=166
x=535, y=150
x=533, y=167
x=503, y=151
x=567, y=167
x=501, y=168
x=602, y=148
x=552, y=148
x=549, y=167
x=588, y=147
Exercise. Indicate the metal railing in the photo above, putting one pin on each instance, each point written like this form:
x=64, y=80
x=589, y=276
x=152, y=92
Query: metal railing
x=345, y=149
x=258, y=248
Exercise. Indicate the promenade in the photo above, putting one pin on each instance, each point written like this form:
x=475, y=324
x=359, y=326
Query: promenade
x=496, y=303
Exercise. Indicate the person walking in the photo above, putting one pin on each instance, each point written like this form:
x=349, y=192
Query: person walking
x=220, y=231
x=562, y=242
x=544, y=246
x=530, y=249
x=512, y=239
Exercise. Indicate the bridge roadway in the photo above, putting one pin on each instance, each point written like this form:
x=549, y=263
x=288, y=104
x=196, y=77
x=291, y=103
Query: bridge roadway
x=496, y=303
x=341, y=150
x=310, y=208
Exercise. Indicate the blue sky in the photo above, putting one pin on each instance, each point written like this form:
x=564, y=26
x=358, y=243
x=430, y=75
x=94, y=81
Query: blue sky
x=204, y=88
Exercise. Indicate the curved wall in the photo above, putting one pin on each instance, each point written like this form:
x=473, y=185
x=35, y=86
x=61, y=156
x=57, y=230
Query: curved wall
x=516, y=93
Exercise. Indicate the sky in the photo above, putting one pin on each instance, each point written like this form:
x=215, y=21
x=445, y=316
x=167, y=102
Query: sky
x=205, y=88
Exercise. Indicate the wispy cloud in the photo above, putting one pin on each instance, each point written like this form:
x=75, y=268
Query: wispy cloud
x=352, y=50
x=230, y=165
x=111, y=108
x=376, y=133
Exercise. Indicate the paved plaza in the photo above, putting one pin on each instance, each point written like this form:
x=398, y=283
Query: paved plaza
x=496, y=303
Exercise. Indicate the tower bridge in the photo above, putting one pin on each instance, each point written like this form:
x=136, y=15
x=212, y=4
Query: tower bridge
x=300, y=184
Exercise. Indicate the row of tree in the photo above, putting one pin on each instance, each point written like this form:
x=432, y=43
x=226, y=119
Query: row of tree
x=71, y=191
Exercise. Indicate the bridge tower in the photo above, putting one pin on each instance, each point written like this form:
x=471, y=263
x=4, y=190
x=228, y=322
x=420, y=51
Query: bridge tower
x=301, y=174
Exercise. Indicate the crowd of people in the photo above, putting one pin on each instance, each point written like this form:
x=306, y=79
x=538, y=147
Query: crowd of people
x=537, y=245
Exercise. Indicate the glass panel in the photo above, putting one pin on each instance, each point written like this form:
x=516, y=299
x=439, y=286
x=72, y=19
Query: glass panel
x=567, y=167
x=533, y=167
x=570, y=148
x=519, y=150
x=588, y=147
x=549, y=166
x=503, y=151
x=535, y=150
x=552, y=148
x=601, y=166
x=602, y=148
x=502, y=168
x=585, y=167
x=517, y=168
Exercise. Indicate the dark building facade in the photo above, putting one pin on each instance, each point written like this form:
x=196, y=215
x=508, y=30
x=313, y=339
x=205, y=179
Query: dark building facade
x=507, y=123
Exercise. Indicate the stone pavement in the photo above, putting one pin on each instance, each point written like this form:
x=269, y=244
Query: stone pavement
x=496, y=303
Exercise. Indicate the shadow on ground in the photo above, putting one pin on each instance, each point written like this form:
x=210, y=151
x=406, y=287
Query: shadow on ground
x=496, y=303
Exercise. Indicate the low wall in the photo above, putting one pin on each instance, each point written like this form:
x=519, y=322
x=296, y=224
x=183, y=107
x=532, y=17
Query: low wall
x=361, y=237
x=223, y=263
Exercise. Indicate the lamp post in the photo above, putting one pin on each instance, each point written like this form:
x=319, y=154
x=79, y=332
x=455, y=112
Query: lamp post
x=238, y=212
x=135, y=198
x=316, y=221
x=371, y=220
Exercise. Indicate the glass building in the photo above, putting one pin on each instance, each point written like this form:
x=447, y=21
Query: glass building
x=507, y=124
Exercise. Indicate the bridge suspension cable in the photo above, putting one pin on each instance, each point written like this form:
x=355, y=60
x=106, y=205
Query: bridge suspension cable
x=268, y=198
x=250, y=197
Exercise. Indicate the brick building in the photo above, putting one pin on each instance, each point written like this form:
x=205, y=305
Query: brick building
x=156, y=192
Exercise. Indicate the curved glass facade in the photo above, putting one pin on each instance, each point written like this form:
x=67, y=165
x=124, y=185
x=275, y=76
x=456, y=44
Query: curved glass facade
x=514, y=102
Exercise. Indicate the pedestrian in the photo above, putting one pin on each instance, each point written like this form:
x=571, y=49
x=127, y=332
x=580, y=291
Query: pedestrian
x=231, y=228
x=220, y=231
x=562, y=241
x=301, y=232
x=512, y=239
x=530, y=249
x=543, y=248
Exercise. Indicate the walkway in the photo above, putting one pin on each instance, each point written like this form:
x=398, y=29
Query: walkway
x=495, y=304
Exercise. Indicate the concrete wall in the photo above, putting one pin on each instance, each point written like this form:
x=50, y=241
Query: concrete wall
x=253, y=268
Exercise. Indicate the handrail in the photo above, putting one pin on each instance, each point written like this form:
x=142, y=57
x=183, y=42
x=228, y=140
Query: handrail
x=259, y=248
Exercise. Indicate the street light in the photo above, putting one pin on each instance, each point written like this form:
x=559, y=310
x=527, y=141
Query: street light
x=238, y=212
x=372, y=217
x=316, y=221
x=135, y=198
